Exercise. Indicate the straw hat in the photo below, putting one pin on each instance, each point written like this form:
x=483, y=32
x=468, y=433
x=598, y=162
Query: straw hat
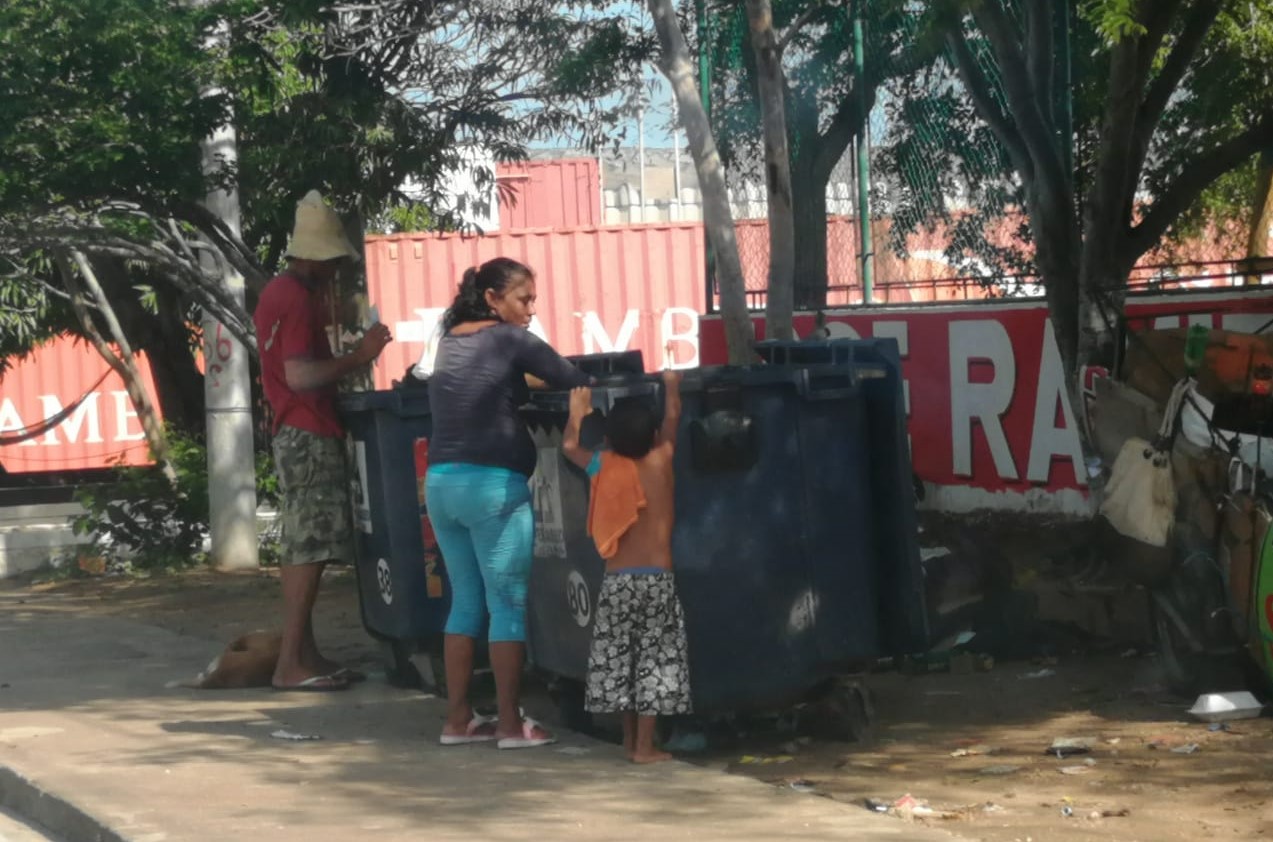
x=318, y=234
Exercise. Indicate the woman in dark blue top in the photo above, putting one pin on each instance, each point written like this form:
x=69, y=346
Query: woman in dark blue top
x=477, y=490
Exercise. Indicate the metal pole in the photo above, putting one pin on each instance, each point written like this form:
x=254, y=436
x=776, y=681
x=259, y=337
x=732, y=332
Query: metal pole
x=676, y=157
x=1064, y=85
x=641, y=156
x=705, y=93
x=864, y=161
x=227, y=384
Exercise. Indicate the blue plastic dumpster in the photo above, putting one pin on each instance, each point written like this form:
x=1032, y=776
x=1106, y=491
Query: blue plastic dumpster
x=402, y=585
x=795, y=547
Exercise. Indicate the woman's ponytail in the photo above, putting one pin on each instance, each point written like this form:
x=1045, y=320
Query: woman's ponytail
x=470, y=303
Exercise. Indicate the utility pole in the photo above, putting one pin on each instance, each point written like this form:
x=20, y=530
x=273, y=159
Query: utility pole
x=227, y=385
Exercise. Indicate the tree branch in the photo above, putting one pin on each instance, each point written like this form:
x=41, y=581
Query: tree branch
x=984, y=102
x=1027, y=109
x=123, y=363
x=796, y=25
x=1196, y=176
x=845, y=124
x=1199, y=22
x=1040, y=16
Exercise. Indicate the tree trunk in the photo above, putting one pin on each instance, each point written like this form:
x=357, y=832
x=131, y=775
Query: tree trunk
x=809, y=211
x=677, y=66
x=770, y=84
x=1257, y=246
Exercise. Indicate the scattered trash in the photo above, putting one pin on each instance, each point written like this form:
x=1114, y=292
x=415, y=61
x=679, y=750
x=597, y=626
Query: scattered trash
x=687, y=742
x=1002, y=769
x=991, y=807
x=765, y=760
x=1186, y=749
x=292, y=735
x=802, y=785
x=966, y=663
x=1222, y=707
x=1067, y=811
x=1064, y=747
x=978, y=750
x=573, y=751
x=1089, y=762
x=908, y=806
x=1218, y=726
x=1109, y=814
x=1043, y=673
x=1165, y=742
x=876, y=806
x=1113, y=740
x=1074, y=770
x=1130, y=653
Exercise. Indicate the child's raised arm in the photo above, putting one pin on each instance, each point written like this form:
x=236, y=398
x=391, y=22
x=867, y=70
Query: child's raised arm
x=580, y=408
x=671, y=407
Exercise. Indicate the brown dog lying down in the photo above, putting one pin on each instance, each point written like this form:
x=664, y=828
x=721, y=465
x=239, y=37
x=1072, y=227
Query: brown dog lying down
x=247, y=662
x=250, y=661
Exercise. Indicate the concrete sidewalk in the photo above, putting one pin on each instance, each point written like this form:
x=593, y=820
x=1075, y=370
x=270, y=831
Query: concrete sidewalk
x=93, y=746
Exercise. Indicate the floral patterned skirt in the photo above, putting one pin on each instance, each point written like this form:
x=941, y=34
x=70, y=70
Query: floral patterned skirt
x=639, y=659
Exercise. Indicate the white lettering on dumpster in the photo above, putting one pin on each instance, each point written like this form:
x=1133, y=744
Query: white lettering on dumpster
x=362, y=491
x=545, y=487
x=384, y=579
x=578, y=598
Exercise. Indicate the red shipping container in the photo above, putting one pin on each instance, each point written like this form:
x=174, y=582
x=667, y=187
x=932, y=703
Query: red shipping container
x=102, y=431
x=562, y=193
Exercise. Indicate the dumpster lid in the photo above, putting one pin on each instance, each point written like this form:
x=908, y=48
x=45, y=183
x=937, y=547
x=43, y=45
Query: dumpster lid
x=404, y=402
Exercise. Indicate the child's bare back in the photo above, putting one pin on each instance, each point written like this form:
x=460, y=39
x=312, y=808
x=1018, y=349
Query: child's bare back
x=631, y=518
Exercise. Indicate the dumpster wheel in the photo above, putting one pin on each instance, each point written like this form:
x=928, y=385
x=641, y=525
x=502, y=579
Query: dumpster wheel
x=413, y=667
x=568, y=695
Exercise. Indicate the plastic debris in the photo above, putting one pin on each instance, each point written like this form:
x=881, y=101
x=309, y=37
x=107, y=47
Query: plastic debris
x=1190, y=748
x=977, y=750
x=1074, y=770
x=1067, y=811
x=764, y=760
x=1043, y=673
x=1002, y=769
x=802, y=785
x=684, y=742
x=1218, y=726
x=292, y=735
x=1064, y=747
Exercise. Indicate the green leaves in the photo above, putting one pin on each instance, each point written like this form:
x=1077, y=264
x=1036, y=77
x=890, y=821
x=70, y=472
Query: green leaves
x=1114, y=20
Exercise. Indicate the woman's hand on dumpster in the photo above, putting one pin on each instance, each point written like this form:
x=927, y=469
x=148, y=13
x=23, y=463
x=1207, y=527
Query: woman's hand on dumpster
x=580, y=401
x=373, y=342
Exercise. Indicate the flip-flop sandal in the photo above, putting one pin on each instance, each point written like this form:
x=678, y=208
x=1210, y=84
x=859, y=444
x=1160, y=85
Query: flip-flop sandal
x=528, y=738
x=471, y=732
x=349, y=674
x=315, y=684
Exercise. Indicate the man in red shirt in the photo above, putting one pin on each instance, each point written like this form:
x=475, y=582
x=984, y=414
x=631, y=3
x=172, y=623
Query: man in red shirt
x=299, y=376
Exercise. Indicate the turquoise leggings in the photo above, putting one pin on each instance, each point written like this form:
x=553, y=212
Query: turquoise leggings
x=486, y=531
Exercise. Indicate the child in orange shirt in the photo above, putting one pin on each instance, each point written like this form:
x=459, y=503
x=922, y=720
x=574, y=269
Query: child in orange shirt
x=638, y=664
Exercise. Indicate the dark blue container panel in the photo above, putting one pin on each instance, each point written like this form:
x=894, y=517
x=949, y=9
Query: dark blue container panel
x=788, y=511
x=401, y=578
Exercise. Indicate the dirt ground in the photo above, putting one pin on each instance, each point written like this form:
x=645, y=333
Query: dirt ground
x=972, y=747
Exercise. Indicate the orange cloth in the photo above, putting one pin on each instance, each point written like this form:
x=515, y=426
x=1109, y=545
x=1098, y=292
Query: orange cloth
x=616, y=502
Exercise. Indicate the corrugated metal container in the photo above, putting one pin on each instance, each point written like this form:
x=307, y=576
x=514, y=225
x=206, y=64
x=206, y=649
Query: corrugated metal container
x=561, y=193
x=104, y=430
x=600, y=289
